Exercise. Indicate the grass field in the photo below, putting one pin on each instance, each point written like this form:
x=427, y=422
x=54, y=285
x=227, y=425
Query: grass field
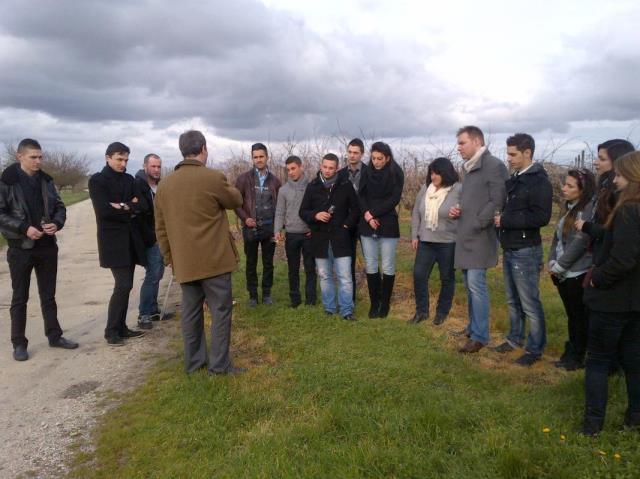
x=69, y=198
x=326, y=398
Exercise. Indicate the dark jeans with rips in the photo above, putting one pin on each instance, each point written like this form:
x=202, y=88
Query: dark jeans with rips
x=21, y=263
x=571, y=292
x=427, y=256
x=119, y=302
x=263, y=238
x=297, y=244
x=612, y=337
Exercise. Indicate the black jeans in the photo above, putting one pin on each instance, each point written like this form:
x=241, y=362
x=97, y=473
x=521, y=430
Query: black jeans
x=354, y=253
x=119, y=302
x=297, y=244
x=427, y=256
x=612, y=337
x=263, y=238
x=571, y=292
x=21, y=263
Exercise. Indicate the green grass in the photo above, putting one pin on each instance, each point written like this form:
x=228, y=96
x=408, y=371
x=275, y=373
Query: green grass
x=69, y=197
x=375, y=398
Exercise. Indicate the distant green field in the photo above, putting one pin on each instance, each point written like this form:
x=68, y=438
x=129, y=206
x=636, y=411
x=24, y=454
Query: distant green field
x=69, y=198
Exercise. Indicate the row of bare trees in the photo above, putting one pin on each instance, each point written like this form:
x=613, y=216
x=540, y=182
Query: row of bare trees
x=68, y=169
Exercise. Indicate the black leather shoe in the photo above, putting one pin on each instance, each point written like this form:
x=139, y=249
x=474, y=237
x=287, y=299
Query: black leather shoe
x=349, y=317
x=439, y=319
x=63, y=343
x=230, y=371
x=130, y=333
x=418, y=318
x=115, y=341
x=20, y=353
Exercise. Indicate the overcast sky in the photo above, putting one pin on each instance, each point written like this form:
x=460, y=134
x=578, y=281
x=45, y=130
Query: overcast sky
x=79, y=74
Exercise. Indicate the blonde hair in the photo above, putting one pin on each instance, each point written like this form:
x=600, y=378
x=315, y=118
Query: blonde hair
x=627, y=166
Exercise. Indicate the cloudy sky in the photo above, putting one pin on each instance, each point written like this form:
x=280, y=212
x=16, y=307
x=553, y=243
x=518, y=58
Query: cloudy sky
x=78, y=75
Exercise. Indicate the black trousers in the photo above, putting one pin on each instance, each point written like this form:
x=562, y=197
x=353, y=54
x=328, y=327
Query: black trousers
x=571, y=292
x=262, y=238
x=119, y=302
x=297, y=244
x=612, y=337
x=354, y=254
x=21, y=263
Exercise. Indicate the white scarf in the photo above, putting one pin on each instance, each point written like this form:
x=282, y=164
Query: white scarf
x=468, y=165
x=433, y=200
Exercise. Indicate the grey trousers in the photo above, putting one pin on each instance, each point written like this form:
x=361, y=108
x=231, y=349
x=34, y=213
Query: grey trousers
x=217, y=291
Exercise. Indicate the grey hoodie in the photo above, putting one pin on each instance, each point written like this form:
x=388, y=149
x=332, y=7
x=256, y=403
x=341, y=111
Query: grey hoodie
x=288, y=205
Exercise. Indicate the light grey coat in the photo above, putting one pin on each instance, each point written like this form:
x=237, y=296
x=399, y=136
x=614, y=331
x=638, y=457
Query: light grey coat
x=576, y=256
x=287, y=207
x=483, y=193
x=446, y=230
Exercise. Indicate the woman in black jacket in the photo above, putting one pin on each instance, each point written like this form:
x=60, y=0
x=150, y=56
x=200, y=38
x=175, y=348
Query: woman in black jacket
x=379, y=194
x=116, y=200
x=613, y=299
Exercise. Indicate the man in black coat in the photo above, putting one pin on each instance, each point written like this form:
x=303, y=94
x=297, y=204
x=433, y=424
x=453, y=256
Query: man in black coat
x=330, y=208
x=528, y=208
x=31, y=213
x=147, y=180
x=116, y=201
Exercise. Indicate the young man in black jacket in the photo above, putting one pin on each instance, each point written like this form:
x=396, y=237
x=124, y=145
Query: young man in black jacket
x=116, y=200
x=31, y=213
x=527, y=209
x=147, y=180
x=330, y=208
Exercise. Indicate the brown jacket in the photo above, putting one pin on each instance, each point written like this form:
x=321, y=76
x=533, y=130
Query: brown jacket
x=191, y=222
x=246, y=183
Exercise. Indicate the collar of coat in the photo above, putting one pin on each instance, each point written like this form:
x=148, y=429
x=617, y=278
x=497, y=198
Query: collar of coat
x=10, y=175
x=188, y=163
x=340, y=180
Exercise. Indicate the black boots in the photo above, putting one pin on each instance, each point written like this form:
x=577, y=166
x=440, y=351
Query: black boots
x=387, y=291
x=373, y=283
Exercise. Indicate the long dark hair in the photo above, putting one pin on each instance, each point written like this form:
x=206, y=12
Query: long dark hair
x=443, y=167
x=627, y=166
x=587, y=185
x=606, y=188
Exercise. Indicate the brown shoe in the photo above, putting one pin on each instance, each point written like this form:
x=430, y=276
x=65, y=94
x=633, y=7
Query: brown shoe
x=471, y=347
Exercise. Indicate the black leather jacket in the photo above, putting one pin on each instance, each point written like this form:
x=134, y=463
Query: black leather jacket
x=14, y=213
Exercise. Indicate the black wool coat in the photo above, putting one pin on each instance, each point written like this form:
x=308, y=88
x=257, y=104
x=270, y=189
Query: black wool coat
x=615, y=283
x=336, y=233
x=119, y=239
x=381, y=199
x=146, y=221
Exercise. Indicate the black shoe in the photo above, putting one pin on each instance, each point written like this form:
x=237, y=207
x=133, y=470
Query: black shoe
x=503, y=348
x=115, y=341
x=418, y=318
x=253, y=302
x=570, y=364
x=374, y=285
x=161, y=317
x=130, y=333
x=349, y=317
x=267, y=300
x=63, y=343
x=527, y=359
x=144, y=322
x=295, y=304
x=310, y=302
x=328, y=313
x=230, y=371
x=20, y=353
x=591, y=426
x=439, y=319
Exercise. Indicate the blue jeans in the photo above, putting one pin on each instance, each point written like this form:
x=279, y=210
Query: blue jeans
x=427, y=255
x=475, y=280
x=521, y=282
x=342, y=267
x=385, y=248
x=153, y=274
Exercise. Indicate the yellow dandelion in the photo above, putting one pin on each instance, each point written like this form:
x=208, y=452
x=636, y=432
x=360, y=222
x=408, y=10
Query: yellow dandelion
x=562, y=437
x=546, y=430
x=602, y=453
x=617, y=456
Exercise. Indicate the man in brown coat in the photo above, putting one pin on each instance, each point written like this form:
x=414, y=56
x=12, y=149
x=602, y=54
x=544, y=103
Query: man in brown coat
x=194, y=238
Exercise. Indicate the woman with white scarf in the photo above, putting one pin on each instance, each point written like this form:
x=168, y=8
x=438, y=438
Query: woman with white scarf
x=433, y=238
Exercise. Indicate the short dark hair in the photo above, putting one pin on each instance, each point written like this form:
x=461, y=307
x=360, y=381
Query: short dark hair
x=522, y=142
x=472, y=131
x=259, y=146
x=116, y=147
x=357, y=142
x=442, y=166
x=28, y=143
x=382, y=147
x=331, y=157
x=191, y=143
x=619, y=149
x=148, y=156
x=293, y=159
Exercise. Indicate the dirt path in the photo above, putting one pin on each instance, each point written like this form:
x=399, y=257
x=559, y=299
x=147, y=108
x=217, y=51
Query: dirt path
x=54, y=398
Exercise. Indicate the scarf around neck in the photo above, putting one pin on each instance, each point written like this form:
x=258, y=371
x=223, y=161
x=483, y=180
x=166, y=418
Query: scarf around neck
x=433, y=200
x=328, y=183
x=473, y=161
